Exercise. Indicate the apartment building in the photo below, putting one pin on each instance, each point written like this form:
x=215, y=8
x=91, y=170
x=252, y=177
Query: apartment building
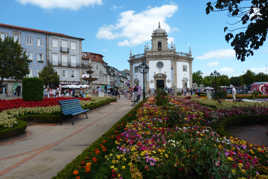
x=43, y=47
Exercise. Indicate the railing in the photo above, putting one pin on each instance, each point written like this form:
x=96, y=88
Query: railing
x=137, y=56
x=183, y=54
x=64, y=49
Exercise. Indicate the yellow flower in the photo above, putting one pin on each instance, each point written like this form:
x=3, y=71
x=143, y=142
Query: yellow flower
x=123, y=167
x=240, y=165
x=233, y=171
x=118, y=157
x=230, y=158
x=166, y=155
x=113, y=161
x=259, y=149
x=252, y=152
x=130, y=164
x=243, y=171
x=112, y=167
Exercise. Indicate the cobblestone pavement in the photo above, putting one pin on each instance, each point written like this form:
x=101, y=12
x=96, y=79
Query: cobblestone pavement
x=45, y=149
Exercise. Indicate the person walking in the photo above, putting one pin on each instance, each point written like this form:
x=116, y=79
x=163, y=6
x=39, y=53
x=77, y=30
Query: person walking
x=234, y=94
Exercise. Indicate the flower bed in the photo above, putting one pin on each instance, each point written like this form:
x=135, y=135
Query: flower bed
x=17, y=103
x=248, y=96
x=171, y=142
x=9, y=118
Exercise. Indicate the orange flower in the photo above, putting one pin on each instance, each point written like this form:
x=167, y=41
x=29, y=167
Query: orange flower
x=94, y=159
x=104, y=149
x=75, y=172
x=97, y=151
x=77, y=177
x=88, y=164
x=104, y=141
x=87, y=169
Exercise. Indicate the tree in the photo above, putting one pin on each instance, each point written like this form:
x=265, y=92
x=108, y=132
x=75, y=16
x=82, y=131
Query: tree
x=223, y=80
x=88, y=77
x=236, y=81
x=197, y=77
x=252, y=16
x=248, y=78
x=261, y=77
x=13, y=60
x=49, y=76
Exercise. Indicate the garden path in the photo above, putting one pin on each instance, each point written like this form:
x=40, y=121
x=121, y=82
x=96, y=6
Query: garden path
x=45, y=149
x=255, y=134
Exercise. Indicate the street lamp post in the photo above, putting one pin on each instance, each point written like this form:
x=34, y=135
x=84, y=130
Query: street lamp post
x=143, y=68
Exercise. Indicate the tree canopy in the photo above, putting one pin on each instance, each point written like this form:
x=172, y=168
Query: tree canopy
x=49, y=76
x=197, y=77
x=14, y=62
x=251, y=24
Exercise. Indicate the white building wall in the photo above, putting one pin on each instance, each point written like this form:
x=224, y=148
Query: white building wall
x=165, y=70
x=137, y=75
x=181, y=74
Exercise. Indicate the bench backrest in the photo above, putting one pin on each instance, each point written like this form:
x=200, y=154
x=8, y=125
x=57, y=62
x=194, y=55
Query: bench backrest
x=70, y=106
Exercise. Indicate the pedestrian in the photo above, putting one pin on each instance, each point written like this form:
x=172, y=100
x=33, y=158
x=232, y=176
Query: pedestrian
x=234, y=94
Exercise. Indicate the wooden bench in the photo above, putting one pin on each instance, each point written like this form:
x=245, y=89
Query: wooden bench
x=72, y=107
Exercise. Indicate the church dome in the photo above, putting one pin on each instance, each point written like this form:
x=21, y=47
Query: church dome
x=159, y=31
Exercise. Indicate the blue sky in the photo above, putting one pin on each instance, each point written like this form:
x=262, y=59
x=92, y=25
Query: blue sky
x=114, y=27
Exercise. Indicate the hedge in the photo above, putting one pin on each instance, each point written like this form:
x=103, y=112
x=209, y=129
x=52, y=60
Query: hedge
x=67, y=171
x=32, y=89
x=11, y=132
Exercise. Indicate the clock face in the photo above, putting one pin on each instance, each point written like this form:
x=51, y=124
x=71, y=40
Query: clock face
x=159, y=64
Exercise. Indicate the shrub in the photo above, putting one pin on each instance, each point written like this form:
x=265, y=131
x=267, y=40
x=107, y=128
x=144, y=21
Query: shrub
x=219, y=94
x=16, y=130
x=161, y=97
x=32, y=89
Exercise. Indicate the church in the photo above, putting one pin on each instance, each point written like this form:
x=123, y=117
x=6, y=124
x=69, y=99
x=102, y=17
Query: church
x=167, y=68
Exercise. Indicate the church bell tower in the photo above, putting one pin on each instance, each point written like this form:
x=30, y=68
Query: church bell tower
x=159, y=39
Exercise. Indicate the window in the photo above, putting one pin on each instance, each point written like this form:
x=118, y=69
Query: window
x=55, y=59
x=38, y=42
x=3, y=36
x=73, y=45
x=29, y=40
x=64, y=44
x=30, y=73
x=16, y=36
x=72, y=74
x=136, y=69
x=185, y=68
x=64, y=60
x=40, y=57
x=30, y=56
x=55, y=43
x=73, y=61
x=159, y=64
x=159, y=45
x=64, y=73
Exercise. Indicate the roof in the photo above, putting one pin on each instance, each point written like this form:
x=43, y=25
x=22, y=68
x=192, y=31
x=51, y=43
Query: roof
x=38, y=31
x=93, y=57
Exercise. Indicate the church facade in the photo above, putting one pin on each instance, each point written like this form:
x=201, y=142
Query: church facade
x=167, y=68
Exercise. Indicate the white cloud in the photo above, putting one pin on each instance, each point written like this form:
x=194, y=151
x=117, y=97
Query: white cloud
x=67, y=4
x=213, y=64
x=136, y=28
x=115, y=7
x=226, y=71
x=259, y=70
x=218, y=54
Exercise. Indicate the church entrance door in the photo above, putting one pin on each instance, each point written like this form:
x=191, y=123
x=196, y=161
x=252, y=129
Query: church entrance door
x=160, y=84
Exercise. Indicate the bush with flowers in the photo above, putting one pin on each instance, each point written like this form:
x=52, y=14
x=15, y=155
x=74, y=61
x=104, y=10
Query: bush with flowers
x=151, y=146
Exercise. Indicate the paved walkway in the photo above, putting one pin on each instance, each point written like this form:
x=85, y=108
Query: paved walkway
x=255, y=134
x=45, y=149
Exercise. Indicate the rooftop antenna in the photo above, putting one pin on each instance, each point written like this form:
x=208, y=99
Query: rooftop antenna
x=130, y=53
x=159, y=26
x=190, y=50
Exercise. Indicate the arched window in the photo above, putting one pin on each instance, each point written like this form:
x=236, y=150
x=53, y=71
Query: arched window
x=159, y=45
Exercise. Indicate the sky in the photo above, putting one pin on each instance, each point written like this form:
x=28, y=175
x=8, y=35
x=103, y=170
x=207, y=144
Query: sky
x=113, y=28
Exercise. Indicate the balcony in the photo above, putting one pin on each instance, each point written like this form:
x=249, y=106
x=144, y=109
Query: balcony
x=64, y=50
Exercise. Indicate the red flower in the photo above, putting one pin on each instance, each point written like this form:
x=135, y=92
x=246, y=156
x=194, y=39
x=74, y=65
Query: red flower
x=94, y=159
